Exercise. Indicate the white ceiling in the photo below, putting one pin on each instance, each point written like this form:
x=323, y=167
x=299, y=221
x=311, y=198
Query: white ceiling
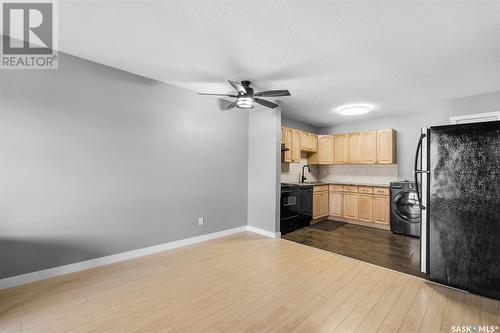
x=395, y=54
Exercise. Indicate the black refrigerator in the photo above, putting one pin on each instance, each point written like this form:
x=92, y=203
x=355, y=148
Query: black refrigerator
x=458, y=170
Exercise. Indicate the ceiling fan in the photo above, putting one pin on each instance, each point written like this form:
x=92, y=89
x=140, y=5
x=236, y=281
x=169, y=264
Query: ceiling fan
x=246, y=98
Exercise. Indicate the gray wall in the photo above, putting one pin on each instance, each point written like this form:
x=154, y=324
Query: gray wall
x=408, y=127
x=264, y=155
x=96, y=161
x=298, y=125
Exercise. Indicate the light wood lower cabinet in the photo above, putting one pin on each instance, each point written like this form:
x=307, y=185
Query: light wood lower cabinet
x=323, y=204
x=365, y=208
x=366, y=205
x=316, y=209
x=320, y=202
x=381, y=209
x=336, y=202
x=351, y=206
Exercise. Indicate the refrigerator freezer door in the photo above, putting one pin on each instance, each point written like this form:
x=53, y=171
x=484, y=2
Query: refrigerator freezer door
x=464, y=207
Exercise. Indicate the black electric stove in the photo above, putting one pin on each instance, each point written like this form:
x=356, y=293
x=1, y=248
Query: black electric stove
x=295, y=207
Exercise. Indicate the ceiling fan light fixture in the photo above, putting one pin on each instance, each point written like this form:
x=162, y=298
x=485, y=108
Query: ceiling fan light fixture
x=245, y=102
x=354, y=110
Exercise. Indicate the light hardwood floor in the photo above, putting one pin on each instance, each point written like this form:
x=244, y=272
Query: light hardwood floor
x=241, y=283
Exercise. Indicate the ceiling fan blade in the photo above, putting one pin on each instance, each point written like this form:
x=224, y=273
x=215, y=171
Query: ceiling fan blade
x=230, y=106
x=273, y=93
x=237, y=86
x=265, y=103
x=210, y=94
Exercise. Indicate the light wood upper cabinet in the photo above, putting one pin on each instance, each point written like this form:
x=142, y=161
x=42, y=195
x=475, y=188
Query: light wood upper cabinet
x=386, y=146
x=313, y=142
x=335, y=203
x=369, y=147
x=304, y=141
x=325, y=149
x=354, y=144
x=365, y=208
x=287, y=155
x=295, y=145
x=340, y=149
x=298, y=141
x=381, y=209
x=351, y=206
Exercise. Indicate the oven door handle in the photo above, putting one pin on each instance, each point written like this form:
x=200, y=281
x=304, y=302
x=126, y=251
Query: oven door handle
x=289, y=217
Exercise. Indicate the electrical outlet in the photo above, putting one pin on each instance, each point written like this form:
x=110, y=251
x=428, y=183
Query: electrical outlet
x=201, y=220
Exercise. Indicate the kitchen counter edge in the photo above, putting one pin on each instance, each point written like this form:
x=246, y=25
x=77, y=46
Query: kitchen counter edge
x=337, y=183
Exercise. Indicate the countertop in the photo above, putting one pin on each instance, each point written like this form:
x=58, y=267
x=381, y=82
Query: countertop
x=360, y=184
x=337, y=183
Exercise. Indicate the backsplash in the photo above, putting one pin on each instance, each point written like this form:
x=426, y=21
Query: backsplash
x=363, y=174
x=291, y=172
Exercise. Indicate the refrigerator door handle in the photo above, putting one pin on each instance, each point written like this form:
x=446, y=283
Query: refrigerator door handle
x=417, y=171
x=424, y=244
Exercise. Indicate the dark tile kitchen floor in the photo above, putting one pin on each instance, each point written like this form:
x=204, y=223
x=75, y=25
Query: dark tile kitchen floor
x=375, y=246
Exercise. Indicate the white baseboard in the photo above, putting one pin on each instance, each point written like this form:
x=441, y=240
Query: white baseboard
x=263, y=232
x=92, y=263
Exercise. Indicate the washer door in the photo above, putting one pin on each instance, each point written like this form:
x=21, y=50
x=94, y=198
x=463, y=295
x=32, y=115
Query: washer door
x=405, y=206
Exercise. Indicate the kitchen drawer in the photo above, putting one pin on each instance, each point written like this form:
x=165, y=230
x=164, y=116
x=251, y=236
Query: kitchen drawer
x=366, y=189
x=320, y=188
x=336, y=188
x=353, y=189
x=381, y=190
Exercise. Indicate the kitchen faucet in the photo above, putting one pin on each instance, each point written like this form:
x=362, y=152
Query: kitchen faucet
x=303, y=178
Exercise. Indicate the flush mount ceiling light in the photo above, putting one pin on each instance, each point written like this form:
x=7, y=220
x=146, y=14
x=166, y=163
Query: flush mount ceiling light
x=353, y=110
